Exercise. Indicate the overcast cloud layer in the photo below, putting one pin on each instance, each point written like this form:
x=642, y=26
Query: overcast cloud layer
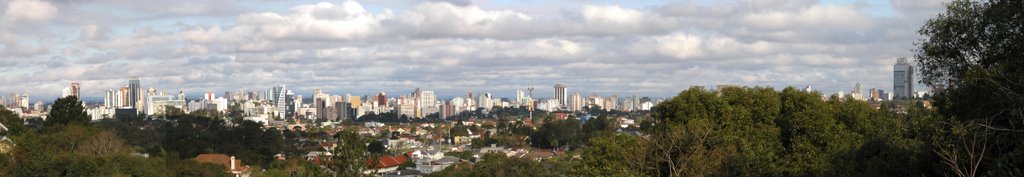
x=654, y=48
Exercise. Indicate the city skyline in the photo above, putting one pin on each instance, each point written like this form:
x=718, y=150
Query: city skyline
x=644, y=48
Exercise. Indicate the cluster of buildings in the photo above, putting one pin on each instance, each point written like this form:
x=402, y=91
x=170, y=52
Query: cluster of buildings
x=278, y=103
x=903, y=86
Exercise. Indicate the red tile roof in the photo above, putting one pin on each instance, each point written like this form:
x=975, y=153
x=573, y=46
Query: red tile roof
x=221, y=159
x=387, y=161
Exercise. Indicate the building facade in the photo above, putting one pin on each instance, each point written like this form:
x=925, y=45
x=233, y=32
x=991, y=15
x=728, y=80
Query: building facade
x=903, y=79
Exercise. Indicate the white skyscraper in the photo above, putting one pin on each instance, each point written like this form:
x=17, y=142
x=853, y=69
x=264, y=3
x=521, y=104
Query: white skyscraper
x=903, y=79
x=561, y=94
x=108, y=99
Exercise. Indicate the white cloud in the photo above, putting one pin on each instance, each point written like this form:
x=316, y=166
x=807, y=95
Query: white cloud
x=346, y=21
x=817, y=16
x=30, y=11
x=364, y=47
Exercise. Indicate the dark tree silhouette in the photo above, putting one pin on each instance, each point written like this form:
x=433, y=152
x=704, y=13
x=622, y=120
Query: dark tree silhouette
x=67, y=110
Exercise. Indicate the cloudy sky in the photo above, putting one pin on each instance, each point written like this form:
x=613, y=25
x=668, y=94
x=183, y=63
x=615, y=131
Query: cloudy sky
x=642, y=47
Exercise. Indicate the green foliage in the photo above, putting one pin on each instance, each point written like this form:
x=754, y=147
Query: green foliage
x=737, y=131
x=557, y=134
x=67, y=110
x=78, y=150
x=497, y=165
x=15, y=125
x=190, y=135
x=377, y=147
x=467, y=155
x=599, y=158
x=973, y=50
x=350, y=155
x=292, y=168
x=601, y=125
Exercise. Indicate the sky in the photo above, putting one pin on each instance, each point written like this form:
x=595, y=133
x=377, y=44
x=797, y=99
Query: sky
x=639, y=47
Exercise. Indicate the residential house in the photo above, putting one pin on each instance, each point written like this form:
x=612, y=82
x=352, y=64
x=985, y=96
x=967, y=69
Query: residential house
x=385, y=164
x=233, y=166
x=430, y=166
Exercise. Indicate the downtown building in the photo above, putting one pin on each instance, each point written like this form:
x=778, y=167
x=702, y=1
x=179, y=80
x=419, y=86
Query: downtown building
x=903, y=79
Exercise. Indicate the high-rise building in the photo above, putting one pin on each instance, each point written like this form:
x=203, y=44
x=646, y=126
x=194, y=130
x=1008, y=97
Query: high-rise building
x=279, y=97
x=576, y=102
x=485, y=101
x=122, y=97
x=428, y=103
x=382, y=99
x=134, y=93
x=109, y=99
x=903, y=79
x=355, y=101
x=209, y=96
x=66, y=92
x=74, y=90
x=561, y=94
x=24, y=101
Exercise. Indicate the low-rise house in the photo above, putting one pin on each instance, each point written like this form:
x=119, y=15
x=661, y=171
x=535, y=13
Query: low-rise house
x=404, y=173
x=431, y=166
x=541, y=154
x=233, y=166
x=493, y=149
x=385, y=164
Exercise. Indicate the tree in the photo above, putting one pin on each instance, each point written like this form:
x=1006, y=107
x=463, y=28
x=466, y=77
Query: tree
x=104, y=143
x=67, y=110
x=975, y=50
x=377, y=147
x=600, y=125
x=15, y=125
x=350, y=154
x=497, y=165
x=617, y=155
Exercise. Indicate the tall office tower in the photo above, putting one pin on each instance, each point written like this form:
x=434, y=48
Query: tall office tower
x=209, y=96
x=355, y=101
x=485, y=102
x=74, y=90
x=428, y=103
x=3, y=101
x=576, y=102
x=108, y=99
x=856, y=89
x=281, y=103
x=615, y=102
x=320, y=105
x=122, y=99
x=344, y=111
x=24, y=101
x=903, y=79
x=520, y=98
x=561, y=94
x=418, y=108
x=134, y=93
x=382, y=99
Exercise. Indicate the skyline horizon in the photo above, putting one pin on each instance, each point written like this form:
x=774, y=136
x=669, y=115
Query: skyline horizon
x=654, y=48
x=446, y=94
